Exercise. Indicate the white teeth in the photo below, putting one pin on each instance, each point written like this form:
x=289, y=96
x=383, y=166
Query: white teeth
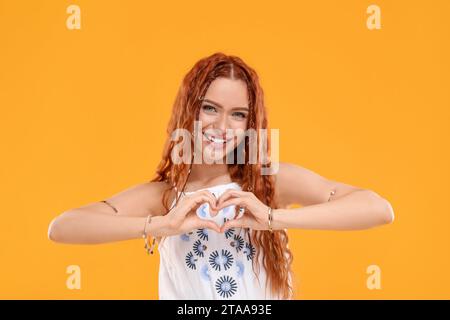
x=209, y=138
x=217, y=140
x=214, y=139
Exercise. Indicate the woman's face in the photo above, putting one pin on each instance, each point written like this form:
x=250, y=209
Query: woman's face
x=224, y=108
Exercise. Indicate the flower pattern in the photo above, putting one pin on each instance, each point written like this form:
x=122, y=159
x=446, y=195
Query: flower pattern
x=204, y=272
x=203, y=210
x=224, y=259
x=249, y=250
x=191, y=260
x=218, y=259
x=229, y=233
x=226, y=286
x=186, y=236
x=237, y=242
x=199, y=248
x=203, y=234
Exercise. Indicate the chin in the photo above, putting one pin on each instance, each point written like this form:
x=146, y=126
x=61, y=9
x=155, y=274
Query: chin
x=218, y=157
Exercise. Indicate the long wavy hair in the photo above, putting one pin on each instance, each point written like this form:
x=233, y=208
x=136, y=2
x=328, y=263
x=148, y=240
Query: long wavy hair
x=276, y=256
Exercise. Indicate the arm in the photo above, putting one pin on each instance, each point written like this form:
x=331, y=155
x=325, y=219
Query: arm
x=349, y=208
x=98, y=223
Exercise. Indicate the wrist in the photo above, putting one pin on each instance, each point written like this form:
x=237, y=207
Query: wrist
x=277, y=219
x=157, y=226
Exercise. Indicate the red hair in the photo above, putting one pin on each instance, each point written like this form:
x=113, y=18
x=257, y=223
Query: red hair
x=277, y=258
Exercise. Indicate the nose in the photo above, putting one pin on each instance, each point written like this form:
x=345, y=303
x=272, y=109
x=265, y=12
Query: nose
x=221, y=123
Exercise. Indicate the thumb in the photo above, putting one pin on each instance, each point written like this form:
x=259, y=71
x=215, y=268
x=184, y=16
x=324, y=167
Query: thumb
x=212, y=225
x=231, y=224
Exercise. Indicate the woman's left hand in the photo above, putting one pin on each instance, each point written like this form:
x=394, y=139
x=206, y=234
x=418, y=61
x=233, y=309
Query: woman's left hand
x=256, y=215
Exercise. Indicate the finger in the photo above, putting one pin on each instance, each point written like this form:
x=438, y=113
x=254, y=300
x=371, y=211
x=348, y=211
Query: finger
x=192, y=203
x=201, y=202
x=212, y=204
x=202, y=198
x=208, y=224
x=242, y=202
x=234, y=194
x=209, y=194
x=229, y=194
x=214, y=213
x=235, y=223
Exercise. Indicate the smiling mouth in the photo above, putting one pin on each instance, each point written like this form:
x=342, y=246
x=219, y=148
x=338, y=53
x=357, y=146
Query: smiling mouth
x=216, y=140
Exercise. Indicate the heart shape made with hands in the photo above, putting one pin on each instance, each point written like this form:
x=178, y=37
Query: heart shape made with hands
x=224, y=214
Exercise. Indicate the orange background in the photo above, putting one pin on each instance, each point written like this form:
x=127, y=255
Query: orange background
x=84, y=114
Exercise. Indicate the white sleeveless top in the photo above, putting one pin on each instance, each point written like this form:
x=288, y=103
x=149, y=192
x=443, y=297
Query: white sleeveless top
x=205, y=264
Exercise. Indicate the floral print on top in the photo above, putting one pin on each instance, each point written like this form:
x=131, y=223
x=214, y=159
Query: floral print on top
x=205, y=264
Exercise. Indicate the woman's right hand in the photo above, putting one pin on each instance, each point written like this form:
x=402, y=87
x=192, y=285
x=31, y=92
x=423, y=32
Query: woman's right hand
x=183, y=217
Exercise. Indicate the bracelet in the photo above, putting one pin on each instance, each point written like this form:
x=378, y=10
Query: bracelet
x=270, y=220
x=145, y=236
x=109, y=204
x=332, y=192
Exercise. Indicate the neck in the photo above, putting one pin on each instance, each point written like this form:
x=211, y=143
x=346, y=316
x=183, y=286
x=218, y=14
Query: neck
x=204, y=174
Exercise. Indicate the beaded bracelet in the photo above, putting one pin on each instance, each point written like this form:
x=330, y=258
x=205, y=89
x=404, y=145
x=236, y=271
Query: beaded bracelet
x=148, y=248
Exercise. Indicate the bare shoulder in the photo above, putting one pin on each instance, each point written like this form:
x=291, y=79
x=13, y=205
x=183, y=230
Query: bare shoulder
x=141, y=199
x=300, y=185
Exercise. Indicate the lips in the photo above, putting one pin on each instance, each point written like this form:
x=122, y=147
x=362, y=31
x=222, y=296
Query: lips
x=215, y=141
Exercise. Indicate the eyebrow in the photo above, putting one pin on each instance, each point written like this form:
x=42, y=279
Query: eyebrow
x=220, y=106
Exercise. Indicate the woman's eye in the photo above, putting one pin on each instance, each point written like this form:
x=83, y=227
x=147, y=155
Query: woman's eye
x=240, y=115
x=207, y=107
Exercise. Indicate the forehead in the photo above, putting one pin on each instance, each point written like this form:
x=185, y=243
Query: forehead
x=228, y=93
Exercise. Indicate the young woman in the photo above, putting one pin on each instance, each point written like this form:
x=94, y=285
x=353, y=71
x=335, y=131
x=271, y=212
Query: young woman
x=206, y=253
